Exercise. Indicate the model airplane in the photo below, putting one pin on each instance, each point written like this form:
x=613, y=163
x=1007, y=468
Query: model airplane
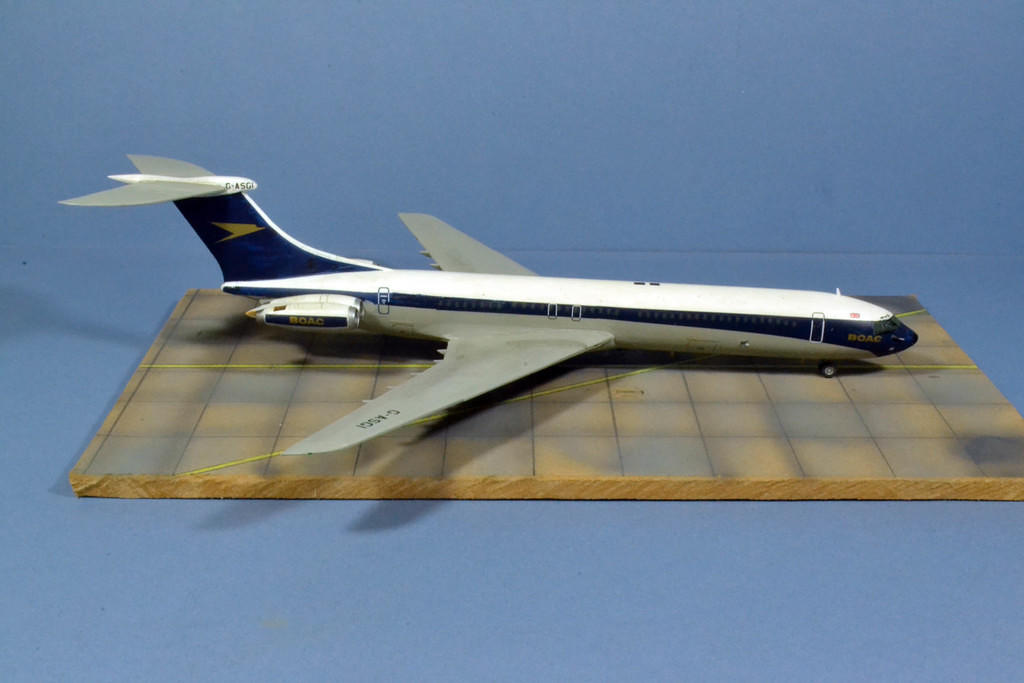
x=500, y=321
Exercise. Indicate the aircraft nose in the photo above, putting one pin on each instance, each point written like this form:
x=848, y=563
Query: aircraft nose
x=904, y=338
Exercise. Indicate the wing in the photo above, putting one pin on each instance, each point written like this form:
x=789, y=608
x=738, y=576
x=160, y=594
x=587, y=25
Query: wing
x=473, y=365
x=456, y=251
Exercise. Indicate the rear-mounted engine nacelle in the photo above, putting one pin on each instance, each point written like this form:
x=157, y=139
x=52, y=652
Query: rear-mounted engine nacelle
x=329, y=312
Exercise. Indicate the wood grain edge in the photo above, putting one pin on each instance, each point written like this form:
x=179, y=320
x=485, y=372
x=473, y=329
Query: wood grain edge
x=541, y=488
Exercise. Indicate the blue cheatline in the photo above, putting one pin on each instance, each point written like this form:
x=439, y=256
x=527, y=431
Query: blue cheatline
x=858, y=334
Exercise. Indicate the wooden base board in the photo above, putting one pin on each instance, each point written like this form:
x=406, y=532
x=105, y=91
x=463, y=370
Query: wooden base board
x=544, y=488
x=217, y=395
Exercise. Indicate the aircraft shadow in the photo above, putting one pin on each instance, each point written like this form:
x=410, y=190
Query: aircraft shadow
x=25, y=312
x=390, y=514
x=999, y=455
x=384, y=515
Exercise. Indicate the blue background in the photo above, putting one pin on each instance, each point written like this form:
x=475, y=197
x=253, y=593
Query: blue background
x=877, y=147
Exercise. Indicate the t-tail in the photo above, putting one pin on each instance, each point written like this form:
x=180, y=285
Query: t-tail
x=243, y=239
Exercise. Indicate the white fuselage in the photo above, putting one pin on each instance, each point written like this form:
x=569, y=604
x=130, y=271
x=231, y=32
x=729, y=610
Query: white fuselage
x=639, y=315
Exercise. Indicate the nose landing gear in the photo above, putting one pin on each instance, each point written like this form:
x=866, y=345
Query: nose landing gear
x=827, y=369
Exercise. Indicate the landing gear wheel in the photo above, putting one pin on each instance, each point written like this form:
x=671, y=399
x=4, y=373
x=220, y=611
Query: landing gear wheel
x=827, y=369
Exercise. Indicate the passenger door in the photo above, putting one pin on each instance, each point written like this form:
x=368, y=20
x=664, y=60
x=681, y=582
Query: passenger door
x=817, y=328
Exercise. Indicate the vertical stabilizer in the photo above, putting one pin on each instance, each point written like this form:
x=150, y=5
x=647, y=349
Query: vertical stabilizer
x=249, y=246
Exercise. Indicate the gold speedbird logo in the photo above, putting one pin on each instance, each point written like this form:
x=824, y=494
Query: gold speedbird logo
x=236, y=230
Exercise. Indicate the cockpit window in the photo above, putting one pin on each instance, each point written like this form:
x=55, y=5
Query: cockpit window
x=886, y=326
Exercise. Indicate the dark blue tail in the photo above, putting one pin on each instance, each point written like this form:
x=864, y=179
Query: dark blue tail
x=247, y=244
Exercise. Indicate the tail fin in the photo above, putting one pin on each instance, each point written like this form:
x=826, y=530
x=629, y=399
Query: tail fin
x=248, y=246
x=245, y=242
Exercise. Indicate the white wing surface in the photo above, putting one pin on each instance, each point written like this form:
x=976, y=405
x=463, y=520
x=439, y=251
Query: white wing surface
x=473, y=364
x=456, y=251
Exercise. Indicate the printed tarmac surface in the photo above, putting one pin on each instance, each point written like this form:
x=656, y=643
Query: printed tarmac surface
x=218, y=395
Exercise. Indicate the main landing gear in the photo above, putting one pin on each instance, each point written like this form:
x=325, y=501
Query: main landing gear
x=827, y=369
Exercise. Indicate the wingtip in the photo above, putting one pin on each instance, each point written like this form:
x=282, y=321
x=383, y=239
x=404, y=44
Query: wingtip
x=406, y=216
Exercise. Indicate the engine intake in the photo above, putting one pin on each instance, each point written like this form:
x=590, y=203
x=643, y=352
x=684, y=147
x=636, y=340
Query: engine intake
x=329, y=312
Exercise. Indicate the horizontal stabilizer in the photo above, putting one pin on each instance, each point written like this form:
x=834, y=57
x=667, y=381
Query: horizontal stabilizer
x=163, y=180
x=139, y=194
x=456, y=251
x=166, y=167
